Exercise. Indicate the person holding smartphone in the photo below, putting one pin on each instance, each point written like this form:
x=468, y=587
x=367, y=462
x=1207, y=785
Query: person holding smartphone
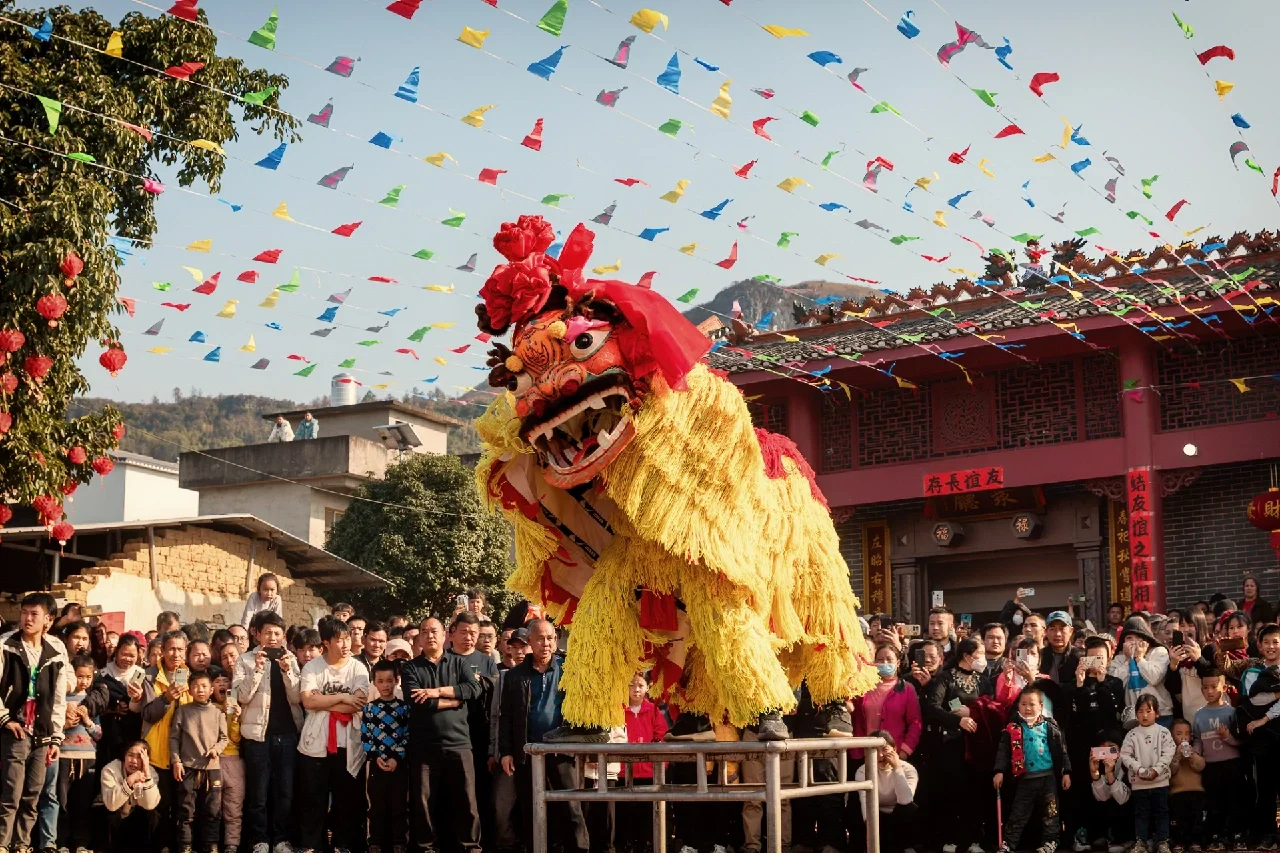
x=164, y=689
x=954, y=783
x=1111, y=815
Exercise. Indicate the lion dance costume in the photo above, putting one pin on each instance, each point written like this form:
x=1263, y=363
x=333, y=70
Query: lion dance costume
x=649, y=514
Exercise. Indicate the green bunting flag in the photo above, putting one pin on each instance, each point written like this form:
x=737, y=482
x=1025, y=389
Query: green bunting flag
x=82, y=157
x=763, y=277
x=393, y=197
x=1133, y=214
x=456, y=220
x=1146, y=184
x=826, y=161
x=553, y=199
x=687, y=296
x=368, y=343
x=418, y=335
x=670, y=127
x=885, y=107
x=350, y=362
x=161, y=285
x=901, y=238
x=52, y=111
x=784, y=242
x=988, y=98
x=293, y=284
x=265, y=35
x=553, y=21
x=1024, y=237
x=306, y=371
x=259, y=98
x=1085, y=232
x=424, y=254
x=809, y=118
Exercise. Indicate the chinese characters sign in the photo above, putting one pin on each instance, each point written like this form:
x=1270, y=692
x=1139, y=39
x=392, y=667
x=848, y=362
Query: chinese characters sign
x=995, y=503
x=1121, y=581
x=877, y=576
x=1138, y=504
x=963, y=482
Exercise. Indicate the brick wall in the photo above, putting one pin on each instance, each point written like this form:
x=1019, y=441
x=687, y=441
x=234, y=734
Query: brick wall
x=1204, y=398
x=850, y=533
x=1209, y=544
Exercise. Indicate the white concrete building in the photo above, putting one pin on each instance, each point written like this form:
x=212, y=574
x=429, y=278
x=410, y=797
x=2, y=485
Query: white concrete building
x=139, y=488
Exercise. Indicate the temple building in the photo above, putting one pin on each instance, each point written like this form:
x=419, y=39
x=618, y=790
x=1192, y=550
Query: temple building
x=1067, y=426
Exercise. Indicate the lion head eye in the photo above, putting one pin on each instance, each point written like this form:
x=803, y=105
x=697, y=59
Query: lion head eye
x=518, y=383
x=586, y=344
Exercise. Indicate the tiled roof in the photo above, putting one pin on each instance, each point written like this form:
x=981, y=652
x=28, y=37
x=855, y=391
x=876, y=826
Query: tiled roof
x=1159, y=281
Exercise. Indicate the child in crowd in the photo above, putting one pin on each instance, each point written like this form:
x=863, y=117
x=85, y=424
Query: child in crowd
x=1032, y=751
x=1147, y=754
x=1224, y=769
x=199, y=656
x=77, y=780
x=384, y=737
x=307, y=645
x=1111, y=821
x=197, y=736
x=230, y=765
x=131, y=795
x=1186, y=790
x=265, y=597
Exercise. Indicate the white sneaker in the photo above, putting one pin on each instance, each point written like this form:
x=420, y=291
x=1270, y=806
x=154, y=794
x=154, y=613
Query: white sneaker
x=262, y=847
x=976, y=848
x=948, y=848
x=283, y=847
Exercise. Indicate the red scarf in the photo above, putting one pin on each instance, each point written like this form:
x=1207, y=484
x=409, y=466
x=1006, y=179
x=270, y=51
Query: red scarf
x=335, y=719
x=1017, y=758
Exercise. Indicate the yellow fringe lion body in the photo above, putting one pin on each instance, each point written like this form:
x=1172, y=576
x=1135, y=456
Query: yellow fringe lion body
x=755, y=560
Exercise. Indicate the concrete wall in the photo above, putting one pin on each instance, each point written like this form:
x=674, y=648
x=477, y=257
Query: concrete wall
x=320, y=502
x=296, y=460
x=286, y=505
x=131, y=493
x=361, y=423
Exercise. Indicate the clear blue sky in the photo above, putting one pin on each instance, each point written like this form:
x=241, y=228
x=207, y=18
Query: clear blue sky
x=1127, y=74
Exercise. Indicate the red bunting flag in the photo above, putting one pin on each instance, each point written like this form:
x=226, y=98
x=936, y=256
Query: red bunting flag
x=1009, y=130
x=268, y=256
x=141, y=131
x=866, y=280
x=184, y=9
x=1275, y=182
x=460, y=350
x=758, y=126
x=1217, y=52
x=185, y=70
x=382, y=279
x=957, y=157
x=629, y=182
x=1042, y=79
x=490, y=176
x=727, y=263
x=130, y=304
x=883, y=162
x=248, y=276
x=534, y=139
x=743, y=171
x=297, y=357
x=408, y=351
x=346, y=230
x=940, y=260
x=209, y=286
x=404, y=8
x=646, y=280
x=484, y=337
x=1173, y=211
x=177, y=306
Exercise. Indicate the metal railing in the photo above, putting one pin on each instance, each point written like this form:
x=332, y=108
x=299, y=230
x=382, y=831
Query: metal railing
x=772, y=793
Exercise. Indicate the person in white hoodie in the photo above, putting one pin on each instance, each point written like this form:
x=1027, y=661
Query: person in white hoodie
x=265, y=597
x=1141, y=664
x=1147, y=754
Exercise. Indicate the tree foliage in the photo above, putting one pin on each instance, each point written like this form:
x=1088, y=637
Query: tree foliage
x=53, y=206
x=435, y=542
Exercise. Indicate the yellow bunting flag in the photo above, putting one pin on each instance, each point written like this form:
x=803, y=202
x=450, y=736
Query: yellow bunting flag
x=440, y=360
x=904, y=383
x=282, y=212
x=821, y=260
x=791, y=339
x=720, y=106
x=382, y=386
x=674, y=195
x=195, y=273
x=270, y=301
x=475, y=118
x=207, y=145
x=159, y=350
x=609, y=269
x=1043, y=158
x=1066, y=133
x=438, y=158
x=1193, y=231
x=982, y=167
x=475, y=38
x=962, y=271
x=782, y=32
x=790, y=184
x=1222, y=87
x=115, y=47
x=939, y=219
x=647, y=19
x=689, y=249
x=252, y=346
x=923, y=183
x=439, y=288
x=1240, y=385
x=448, y=325
x=229, y=310
x=200, y=245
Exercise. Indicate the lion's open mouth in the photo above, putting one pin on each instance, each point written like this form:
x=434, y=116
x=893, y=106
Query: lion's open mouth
x=578, y=441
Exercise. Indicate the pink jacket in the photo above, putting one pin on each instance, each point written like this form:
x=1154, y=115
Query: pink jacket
x=899, y=716
x=648, y=726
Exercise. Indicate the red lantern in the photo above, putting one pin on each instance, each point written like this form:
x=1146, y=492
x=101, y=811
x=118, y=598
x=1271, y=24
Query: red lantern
x=113, y=359
x=8, y=383
x=77, y=455
x=49, y=507
x=51, y=307
x=62, y=531
x=6, y=422
x=5, y=514
x=1264, y=514
x=103, y=465
x=71, y=267
x=37, y=366
x=118, y=432
x=69, y=487
x=11, y=340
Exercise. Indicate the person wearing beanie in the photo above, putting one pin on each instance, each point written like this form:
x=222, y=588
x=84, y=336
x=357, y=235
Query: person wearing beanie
x=1141, y=663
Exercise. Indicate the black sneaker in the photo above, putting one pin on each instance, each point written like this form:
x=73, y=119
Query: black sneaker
x=576, y=734
x=771, y=727
x=691, y=727
x=834, y=720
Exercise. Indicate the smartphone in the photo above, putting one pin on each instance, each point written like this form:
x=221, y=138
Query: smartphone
x=1232, y=644
x=1179, y=639
x=460, y=602
x=1091, y=662
x=917, y=657
x=1022, y=656
x=274, y=653
x=181, y=677
x=1026, y=591
x=913, y=631
x=954, y=705
x=139, y=676
x=1102, y=753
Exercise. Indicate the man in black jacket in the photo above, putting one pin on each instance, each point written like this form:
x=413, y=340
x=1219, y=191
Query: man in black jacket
x=440, y=762
x=530, y=709
x=33, y=708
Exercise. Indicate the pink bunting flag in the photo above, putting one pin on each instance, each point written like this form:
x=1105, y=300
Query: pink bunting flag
x=130, y=304
x=1220, y=51
x=764, y=93
x=940, y=260
x=1275, y=182
x=460, y=350
x=209, y=286
x=646, y=280
x=184, y=9
x=1173, y=211
x=382, y=279
x=484, y=337
x=152, y=186
x=347, y=230
x=405, y=8
x=268, y=256
x=1042, y=79
x=727, y=263
x=534, y=139
x=744, y=170
x=185, y=70
x=629, y=182
x=408, y=351
x=141, y=131
x=248, y=277
x=1009, y=130
x=758, y=126
x=490, y=176
x=974, y=242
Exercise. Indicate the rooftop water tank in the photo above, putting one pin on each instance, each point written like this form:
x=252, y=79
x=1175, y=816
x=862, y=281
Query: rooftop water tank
x=344, y=391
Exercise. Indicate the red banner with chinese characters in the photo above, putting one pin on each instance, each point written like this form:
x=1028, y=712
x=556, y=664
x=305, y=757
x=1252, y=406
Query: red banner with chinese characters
x=1121, y=580
x=1138, y=500
x=877, y=576
x=962, y=482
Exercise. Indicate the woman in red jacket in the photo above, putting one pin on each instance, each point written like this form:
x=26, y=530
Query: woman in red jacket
x=645, y=724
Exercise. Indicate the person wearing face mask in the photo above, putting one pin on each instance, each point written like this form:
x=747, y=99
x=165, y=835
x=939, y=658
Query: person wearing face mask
x=891, y=705
x=1033, y=754
x=1142, y=663
x=953, y=782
